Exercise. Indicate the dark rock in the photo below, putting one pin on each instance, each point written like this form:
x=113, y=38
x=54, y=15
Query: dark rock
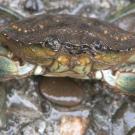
x=62, y=91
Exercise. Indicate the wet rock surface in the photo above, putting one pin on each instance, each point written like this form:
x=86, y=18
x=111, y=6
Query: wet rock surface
x=101, y=112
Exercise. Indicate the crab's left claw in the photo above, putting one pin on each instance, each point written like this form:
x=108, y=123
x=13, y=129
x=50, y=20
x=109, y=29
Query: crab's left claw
x=126, y=82
x=123, y=80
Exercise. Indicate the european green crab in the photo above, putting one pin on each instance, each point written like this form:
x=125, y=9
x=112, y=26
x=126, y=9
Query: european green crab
x=68, y=46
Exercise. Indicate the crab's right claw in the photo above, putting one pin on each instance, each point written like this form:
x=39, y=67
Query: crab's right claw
x=10, y=69
x=7, y=68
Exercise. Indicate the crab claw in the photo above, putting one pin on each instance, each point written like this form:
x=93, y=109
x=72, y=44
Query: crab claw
x=10, y=69
x=126, y=82
x=123, y=80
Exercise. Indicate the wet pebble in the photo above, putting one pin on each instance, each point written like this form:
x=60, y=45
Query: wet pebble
x=62, y=91
x=70, y=125
x=33, y=5
x=34, y=128
x=127, y=22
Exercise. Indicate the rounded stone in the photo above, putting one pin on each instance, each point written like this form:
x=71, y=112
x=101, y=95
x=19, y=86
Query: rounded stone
x=74, y=125
x=61, y=91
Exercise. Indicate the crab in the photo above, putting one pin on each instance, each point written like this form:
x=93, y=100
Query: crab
x=68, y=46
